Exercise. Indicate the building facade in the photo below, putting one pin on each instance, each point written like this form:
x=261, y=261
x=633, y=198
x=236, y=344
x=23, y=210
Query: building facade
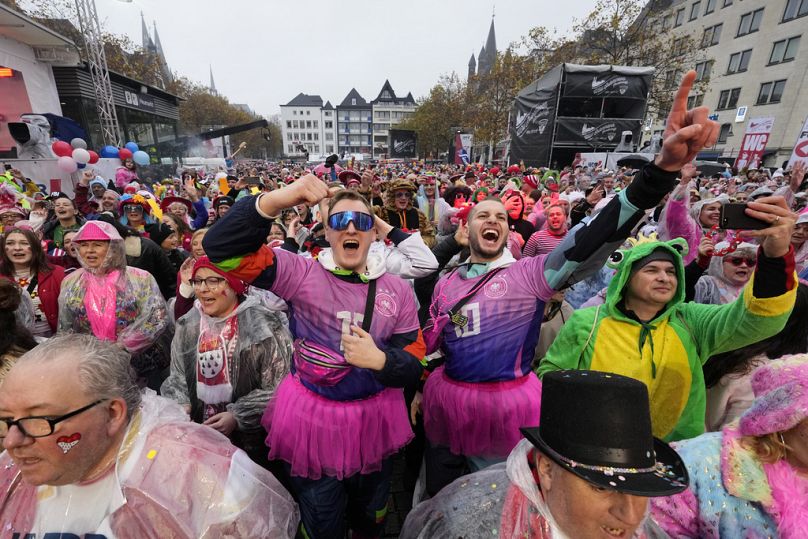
x=302, y=126
x=754, y=58
x=354, y=125
x=388, y=110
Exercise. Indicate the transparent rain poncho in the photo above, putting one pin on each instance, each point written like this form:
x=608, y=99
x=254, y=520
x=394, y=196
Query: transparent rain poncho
x=117, y=303
x=172, y=478
x=501, y=501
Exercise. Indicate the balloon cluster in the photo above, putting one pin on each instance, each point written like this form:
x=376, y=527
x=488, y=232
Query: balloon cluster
x=74, y=155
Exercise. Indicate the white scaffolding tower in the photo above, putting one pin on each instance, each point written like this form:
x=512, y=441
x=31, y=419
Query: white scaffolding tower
x=97, y=62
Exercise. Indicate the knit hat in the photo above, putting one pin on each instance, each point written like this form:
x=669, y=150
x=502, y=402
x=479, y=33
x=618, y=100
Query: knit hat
x=781, y=396
x=158, y=232
x=236, y=284
x=226, y=200
x=656, y=254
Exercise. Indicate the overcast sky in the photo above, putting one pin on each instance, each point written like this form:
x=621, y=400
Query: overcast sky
x=264, y=52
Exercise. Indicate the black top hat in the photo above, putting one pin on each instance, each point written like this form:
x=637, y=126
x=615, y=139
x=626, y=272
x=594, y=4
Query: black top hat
x=597, y=425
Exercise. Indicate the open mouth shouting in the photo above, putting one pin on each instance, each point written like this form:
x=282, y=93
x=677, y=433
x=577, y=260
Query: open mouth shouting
x=490, y=237
x=351, y=246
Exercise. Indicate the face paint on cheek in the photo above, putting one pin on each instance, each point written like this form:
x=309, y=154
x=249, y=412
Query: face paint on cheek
x=66, y=443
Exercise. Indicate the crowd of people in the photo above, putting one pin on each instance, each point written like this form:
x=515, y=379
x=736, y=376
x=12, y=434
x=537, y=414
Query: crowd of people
x=580, y=352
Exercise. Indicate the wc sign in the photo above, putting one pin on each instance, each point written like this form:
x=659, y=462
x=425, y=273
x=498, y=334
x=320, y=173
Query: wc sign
x=754, y=142
x=138, y=101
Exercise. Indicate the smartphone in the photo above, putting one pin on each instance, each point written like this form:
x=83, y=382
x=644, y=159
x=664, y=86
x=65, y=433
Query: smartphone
x=734, y=217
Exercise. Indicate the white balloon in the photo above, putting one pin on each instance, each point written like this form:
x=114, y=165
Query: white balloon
x=80, y=155
x=78, y=143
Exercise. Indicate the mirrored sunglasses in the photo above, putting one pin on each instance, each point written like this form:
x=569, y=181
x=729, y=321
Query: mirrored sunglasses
x=340, y=220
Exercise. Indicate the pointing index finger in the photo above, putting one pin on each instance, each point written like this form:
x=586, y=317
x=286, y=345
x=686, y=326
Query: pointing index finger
x=680, y=101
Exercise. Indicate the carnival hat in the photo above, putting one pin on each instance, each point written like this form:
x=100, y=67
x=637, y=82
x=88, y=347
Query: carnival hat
x=597, y=425
x=781, y=397
x=169, y=200
x=349, y=176
x=97, y=231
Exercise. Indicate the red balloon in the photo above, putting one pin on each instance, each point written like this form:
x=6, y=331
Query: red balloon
x=124, y=153
x=62, y=148
x=93, y=157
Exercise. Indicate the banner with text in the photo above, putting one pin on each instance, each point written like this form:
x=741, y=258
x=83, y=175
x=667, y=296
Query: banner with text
x=754, y=142
x=800, y=152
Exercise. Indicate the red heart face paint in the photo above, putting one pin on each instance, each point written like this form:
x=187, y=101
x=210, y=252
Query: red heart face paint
x=66, y=443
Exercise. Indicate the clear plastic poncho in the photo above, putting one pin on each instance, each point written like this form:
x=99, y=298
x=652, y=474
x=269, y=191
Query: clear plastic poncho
x=117, y=303
x=172, y=478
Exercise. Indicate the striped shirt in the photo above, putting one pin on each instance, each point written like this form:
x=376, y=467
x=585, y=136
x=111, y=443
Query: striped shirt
x=542, y=242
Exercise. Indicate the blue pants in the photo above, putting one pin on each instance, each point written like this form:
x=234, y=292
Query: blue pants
x=328, y=504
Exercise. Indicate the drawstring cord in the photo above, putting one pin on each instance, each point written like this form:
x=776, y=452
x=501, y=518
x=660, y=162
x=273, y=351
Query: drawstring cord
x=645, y=334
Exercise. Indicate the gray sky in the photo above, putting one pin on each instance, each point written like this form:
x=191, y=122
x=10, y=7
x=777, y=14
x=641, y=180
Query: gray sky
x=264, y=53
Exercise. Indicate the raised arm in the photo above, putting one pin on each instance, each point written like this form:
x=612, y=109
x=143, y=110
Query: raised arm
x=586, y=247
x=237, y=243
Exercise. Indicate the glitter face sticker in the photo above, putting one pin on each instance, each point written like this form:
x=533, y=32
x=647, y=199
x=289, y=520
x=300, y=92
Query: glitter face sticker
x=66, y=443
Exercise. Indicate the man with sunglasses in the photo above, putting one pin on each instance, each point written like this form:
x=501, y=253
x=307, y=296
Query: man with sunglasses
x=476, y=401
x=89, y=455
x=339, y=416
x=399, y=211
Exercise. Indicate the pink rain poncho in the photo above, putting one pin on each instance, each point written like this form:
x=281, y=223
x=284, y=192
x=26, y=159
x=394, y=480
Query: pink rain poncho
x=116, y=303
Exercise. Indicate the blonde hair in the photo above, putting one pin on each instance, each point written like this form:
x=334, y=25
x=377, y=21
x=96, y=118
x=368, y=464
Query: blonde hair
x=769, y=448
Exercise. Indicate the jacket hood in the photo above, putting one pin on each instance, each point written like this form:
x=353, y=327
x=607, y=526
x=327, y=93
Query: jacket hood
x=623, y=260
x=375, y=262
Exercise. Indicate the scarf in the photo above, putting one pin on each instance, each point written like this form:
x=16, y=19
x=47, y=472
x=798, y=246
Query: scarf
x=215, y=350
x=100, y=301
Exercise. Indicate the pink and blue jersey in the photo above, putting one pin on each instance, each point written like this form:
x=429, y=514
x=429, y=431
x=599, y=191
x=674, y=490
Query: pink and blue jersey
x=504, y=318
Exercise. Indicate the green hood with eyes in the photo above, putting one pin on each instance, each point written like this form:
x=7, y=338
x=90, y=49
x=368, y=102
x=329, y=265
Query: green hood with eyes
x=623, y=260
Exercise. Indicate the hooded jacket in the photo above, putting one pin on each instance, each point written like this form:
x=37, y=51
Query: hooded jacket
x=667, y=352
x=262, y=358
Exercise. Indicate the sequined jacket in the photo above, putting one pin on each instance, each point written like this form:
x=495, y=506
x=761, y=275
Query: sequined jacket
x=729, y=493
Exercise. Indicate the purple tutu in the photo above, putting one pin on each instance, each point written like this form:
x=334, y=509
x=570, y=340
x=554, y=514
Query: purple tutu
x=479, y=419
x=319, y=436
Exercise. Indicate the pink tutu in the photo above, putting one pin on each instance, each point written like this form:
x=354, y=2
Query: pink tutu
x=320, y=436
x=480, y=419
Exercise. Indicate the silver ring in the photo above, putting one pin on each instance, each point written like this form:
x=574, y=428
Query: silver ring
x=777, y=219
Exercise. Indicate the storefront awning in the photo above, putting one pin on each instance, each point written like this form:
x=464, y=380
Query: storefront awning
x=49, y=46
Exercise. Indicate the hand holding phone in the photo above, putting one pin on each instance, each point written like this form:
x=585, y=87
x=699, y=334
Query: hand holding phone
x=733, y=216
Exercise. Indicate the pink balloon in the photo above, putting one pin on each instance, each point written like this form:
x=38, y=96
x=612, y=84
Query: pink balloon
x=124, y=153
x=66, y=164
x=62, y=148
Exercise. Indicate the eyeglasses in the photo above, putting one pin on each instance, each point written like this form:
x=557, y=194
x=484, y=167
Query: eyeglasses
x=40, y=426
x=361, y=220
x=211, y=282
x=737, y=261
x=403, y=194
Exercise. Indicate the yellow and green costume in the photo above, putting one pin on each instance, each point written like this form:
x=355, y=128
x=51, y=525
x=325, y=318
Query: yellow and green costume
x=667, y=353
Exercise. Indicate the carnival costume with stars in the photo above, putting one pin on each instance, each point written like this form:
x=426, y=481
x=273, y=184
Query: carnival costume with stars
x=668, y=351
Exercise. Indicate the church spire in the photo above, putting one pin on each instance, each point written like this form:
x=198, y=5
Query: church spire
x=148, y=44
x=212, y=84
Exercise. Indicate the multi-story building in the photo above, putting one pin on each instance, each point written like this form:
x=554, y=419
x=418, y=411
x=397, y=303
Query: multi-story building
x=388, y=110
x=354, y=125
x=755, y=63
x=329, y=123
x=302, y=126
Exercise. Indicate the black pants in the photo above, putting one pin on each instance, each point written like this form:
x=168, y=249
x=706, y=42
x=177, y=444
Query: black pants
x=442, y=467
x=326, y=504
